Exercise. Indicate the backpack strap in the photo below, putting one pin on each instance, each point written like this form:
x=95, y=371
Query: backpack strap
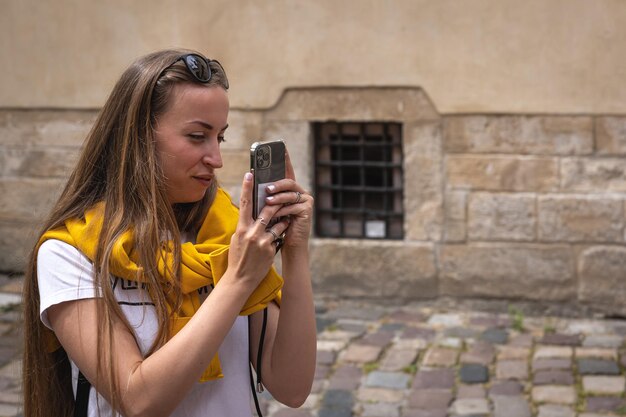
x=82, y=396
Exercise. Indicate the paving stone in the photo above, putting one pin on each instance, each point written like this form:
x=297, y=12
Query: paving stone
x=334, y=412
x=338, y=399
x=326, y=357
x=437, y=356
x=561, y=339
x=323, y=323
x=407, y=316
x=446, y=320
x=369, y=313
x=554, y=394
x=599, y=353
x=512, y=370
x=379, y=339
x=596, y=415
x=505, y=388
x=346, y=377
x=451, y=342
x=337, y=334
x=424, y=413
x=495, y=335
x=322, y=371
x=553, y=352
x=394, y=380
x=381, y=395
x=470, y=391
x=411, y=332
x=603, y=341
x=522, y=340
x=550, y=410
x=604, y=384
x=355, y=327
x=474, y=373
x=597, y=367
x=392, y=327
x=430, y=399
x=397, y=359
x=604, y=404
x=380, y=410
x=511, y=406
x=332, y=345
x=292, y=412
x=462, y=332
x=361, y=353
x=545, y=364
x=436, y=378
x=10, y=410
x=480, y=353
x=587, y=327
x=552, y=377
x=513, y=352
x=470, y=406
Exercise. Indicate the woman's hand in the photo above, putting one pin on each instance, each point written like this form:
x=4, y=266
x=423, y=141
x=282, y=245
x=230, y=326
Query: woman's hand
x=252, y=246
x=295, y=202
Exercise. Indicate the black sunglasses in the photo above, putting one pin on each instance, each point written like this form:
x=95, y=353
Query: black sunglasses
x=199, y=67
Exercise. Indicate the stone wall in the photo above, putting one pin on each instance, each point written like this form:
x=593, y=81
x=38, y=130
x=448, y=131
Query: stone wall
x=528, y=207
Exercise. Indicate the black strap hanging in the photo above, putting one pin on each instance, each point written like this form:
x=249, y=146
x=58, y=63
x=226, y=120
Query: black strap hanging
x=82, y=396
x=259, y=377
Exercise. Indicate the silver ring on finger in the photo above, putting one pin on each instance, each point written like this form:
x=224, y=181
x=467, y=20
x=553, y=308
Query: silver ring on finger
x=298, y=197
x=262, y=221
x=276, y=237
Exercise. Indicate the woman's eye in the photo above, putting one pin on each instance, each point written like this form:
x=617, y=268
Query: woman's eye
x=221, y=139
x=196, y=136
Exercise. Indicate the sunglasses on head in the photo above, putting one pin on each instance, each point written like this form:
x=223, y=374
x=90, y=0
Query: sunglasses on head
x=199, y=67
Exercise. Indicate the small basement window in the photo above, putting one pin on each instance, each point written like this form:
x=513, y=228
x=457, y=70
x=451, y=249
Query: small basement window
x=358, y=180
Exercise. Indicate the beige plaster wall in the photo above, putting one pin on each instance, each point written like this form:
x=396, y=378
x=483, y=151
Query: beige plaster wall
x=504, y=56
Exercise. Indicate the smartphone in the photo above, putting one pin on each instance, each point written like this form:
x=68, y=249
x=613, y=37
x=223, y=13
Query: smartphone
x=267, y=162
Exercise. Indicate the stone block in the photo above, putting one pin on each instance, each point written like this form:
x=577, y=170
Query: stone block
x=391, y=380
x=396, y=359
x=553, y=352
x=611, y=135
x=244, y=128
x=17, y=239
x=470, y=407
x=42, y=162
x=553, y=377
x=601, y=271
x=510, y=217
x=436, y=356
x=597, y=367
x=580, y=219
x=28, y=199
x=611, y=385
x=380, y=395
x=554, y=394
x=502, y=173
x=236, y=164
x=551, y=410
x=359, y=268
x=455, y=216
x=434, y=379
x=512, y=369
x=473, y=373
x=507, y=352
x=593, y=174
x=361, y=354
x=535, y=135
x=430, y=399
x=423, y=179
x=507, y=270
x=511, y=406
x=349, y=104
x=67, y=128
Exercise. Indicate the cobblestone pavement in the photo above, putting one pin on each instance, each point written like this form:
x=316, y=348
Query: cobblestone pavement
x=429, y=360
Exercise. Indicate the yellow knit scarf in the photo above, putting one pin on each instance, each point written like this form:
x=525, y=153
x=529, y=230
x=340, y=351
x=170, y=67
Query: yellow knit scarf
x=202, y=263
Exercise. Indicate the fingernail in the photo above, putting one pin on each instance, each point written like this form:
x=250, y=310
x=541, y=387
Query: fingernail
x=247, y=177
x=270, y=198
x=271, y=188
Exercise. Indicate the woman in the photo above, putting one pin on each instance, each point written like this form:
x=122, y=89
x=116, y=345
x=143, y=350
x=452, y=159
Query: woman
x=145, y=270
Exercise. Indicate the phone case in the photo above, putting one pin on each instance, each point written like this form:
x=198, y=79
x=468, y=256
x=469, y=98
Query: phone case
x=267, y=159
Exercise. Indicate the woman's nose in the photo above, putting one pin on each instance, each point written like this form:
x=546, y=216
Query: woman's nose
x=213, y=157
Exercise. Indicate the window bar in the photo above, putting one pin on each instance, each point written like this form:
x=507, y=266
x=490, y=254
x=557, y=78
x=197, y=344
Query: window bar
x=362, y=177
x=342, y=229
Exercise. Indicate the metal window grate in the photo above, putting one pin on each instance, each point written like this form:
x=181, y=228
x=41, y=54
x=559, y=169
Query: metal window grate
x=358, y=180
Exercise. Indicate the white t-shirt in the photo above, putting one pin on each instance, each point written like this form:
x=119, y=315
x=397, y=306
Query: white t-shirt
x=65, y=274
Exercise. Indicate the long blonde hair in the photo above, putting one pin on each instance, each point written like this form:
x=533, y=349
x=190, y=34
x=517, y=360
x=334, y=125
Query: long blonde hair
x=118, y=165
